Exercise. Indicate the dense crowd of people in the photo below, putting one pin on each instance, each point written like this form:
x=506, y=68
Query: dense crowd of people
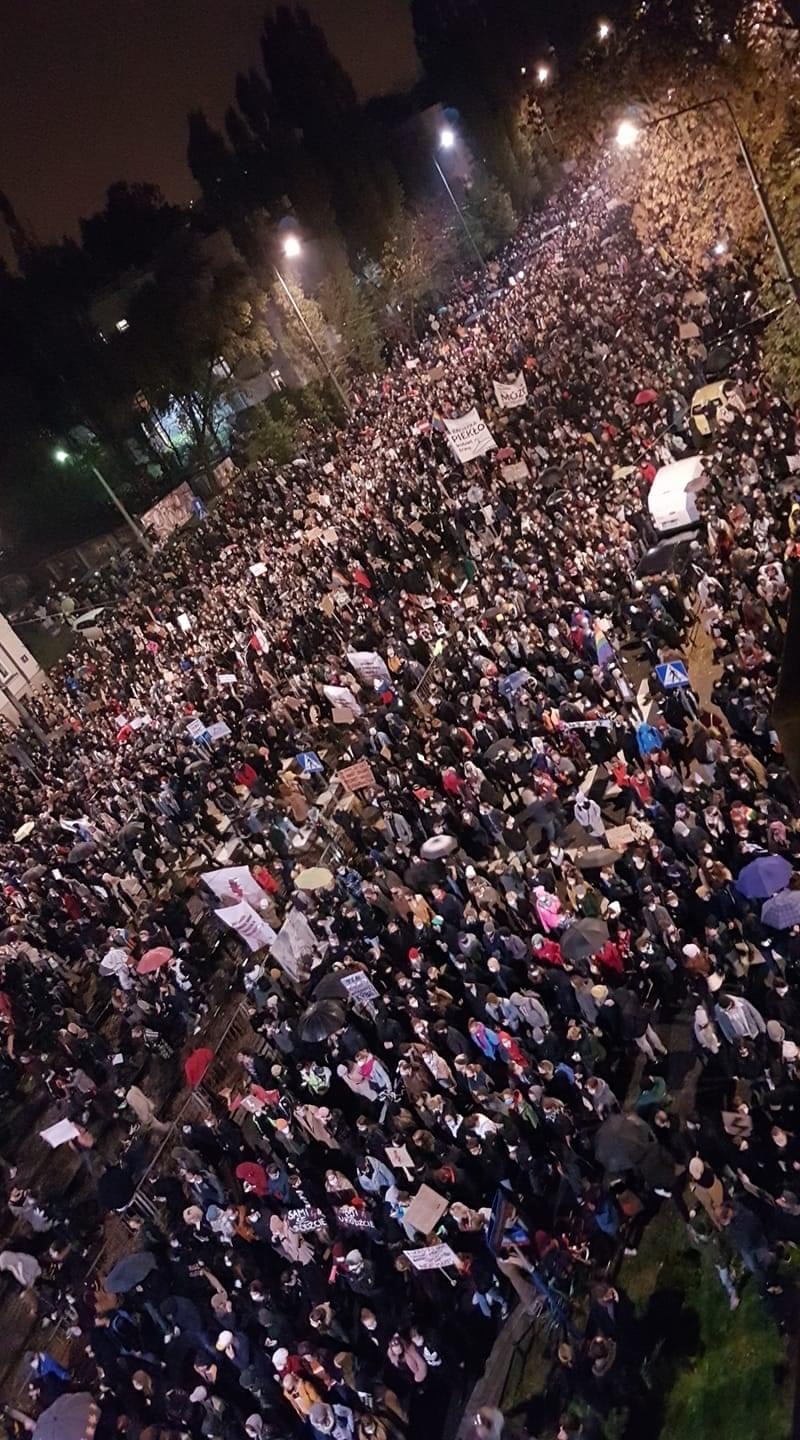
x=575, y=1015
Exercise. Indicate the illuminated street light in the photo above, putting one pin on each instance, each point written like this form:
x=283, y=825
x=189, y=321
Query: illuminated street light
x=627, y=134
x=603, y=30
x=292, y=248
x=543, y=74
x=63, y=457
x=447, y=140
x=523, y=69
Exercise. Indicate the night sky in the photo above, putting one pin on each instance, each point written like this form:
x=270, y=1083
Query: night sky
x=99, y=90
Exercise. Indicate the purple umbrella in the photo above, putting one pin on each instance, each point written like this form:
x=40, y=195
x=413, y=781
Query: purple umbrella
x=782, y=911
x=763, y=877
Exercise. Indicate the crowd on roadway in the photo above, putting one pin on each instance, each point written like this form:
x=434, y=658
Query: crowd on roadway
x=576, y=1014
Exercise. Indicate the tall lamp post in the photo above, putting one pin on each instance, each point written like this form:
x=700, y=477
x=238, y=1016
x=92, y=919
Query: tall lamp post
x=628, y=133
x=291, y=249
x=447, y=140
x=63, y=457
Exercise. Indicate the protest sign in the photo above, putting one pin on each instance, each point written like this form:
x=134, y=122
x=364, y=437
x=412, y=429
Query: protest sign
x=233, y=884
x=218, y=731
x=398, y=1156
x=248, y=924
x=301, y=1221
x=59, y=1134
x=517, y=471
x=340, y=695
x=511, y=393
x=258, y=569
x=469, y=436
x=352, y=1219
x=295, y=945
x=357, y=777
x=425, y=1210
x=196, y=729
x=431, y=1257
x=226, y=679
x=359, y=987
x=341, y=715
x=368, y=666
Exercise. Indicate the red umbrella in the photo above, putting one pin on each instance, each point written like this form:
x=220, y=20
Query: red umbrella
x=153, y=960
x=196, y=1065
x=645, y=397
x=253, y=1175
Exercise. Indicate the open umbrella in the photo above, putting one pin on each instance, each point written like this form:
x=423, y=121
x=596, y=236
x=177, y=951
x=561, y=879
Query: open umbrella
x=645, y=397
x=498, y=747
x=622, y=1142
x=154, y=960
x=437, y=846
x=130, y=1271
x=764, y=876
x=330, y=987
x=25, y=830
x=668, y=558
x=81, y=851
x=584, y=939
x=70, y=1417
x=320, y=1020
x=782, y=910
x=317, y=877
x=196, y=1065
x=253, y=1175
x=718, y=360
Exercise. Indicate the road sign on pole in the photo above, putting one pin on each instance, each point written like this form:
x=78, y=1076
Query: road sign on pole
x=309, y=762
x=673, y=675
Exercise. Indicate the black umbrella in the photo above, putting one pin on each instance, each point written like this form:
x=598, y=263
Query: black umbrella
x=70, y=1417
x=115, y=1188
x=584, y=939
x=320, y=1020
x=622, y=1143
x=81, y=851
x=551, y=478
x=668, y=558
x=330, y=986
x=130, y=1271
x=720, y=359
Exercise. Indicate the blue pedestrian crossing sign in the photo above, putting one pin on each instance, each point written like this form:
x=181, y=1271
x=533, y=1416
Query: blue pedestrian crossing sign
x=309, y=762
x=673, y=675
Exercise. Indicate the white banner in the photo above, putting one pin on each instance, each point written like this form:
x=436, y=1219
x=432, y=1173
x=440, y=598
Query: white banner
x=368, y=666
x=295, y=945
x=234, y=884
x=340, y=696
x=469, y=436
x=511, y=393
x=248, y=924
x=432, y=1257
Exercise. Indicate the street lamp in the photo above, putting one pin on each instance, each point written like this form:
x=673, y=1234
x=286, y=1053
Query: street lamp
x=447, y=140
x=292, y=248
x=628, y=134
x=63, y=457
x=603, y=30
x=543, y=74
